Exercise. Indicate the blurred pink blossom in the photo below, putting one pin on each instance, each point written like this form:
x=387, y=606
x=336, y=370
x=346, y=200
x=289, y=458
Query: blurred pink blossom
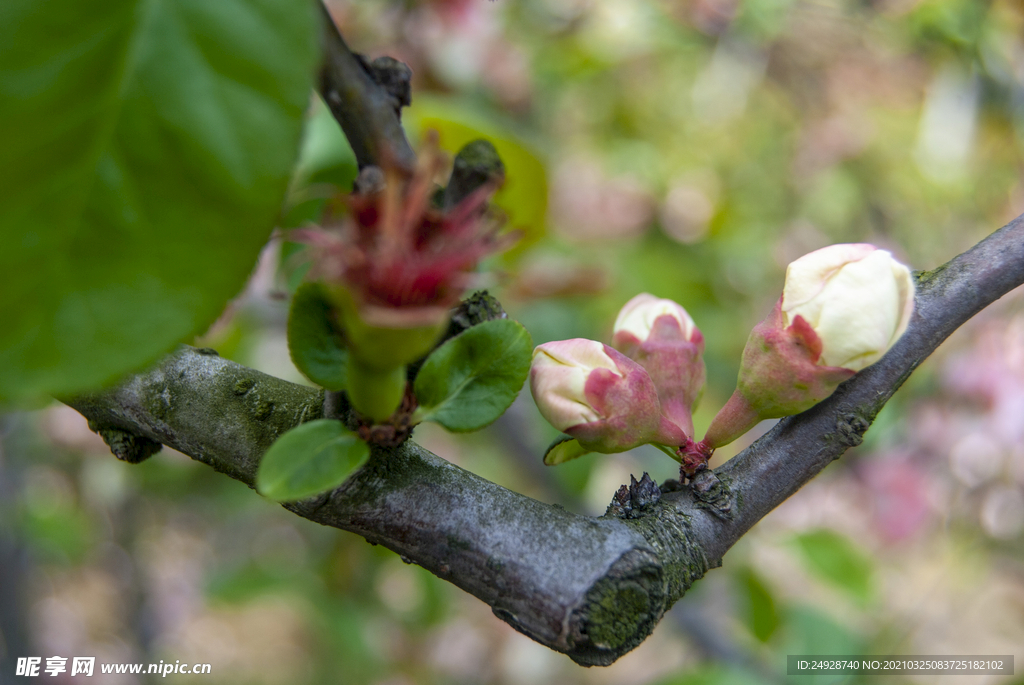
x=899, y=492
x=992, y=371
x=588, y=204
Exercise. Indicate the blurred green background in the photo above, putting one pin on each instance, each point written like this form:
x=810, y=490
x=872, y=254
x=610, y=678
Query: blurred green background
x=689, y=149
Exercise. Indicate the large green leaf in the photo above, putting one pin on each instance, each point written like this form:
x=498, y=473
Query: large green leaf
x=470, y=380
x=838, y=562
x=309, y=459
x=147, y=146
x=314, y=338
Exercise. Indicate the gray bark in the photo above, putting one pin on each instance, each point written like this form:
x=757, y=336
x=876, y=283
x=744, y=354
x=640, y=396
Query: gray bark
x=366, y=98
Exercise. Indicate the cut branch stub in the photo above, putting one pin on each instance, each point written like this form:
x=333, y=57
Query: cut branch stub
x=593, y=588
x=476, y=164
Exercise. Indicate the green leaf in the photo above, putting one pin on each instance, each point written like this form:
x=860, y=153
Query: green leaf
x=470, y=380
x=524, y=196
x=835, y=560
x=314, y=338
x=148, y=147
x=808, y=630
x=564, y=448
x=762, y=616
x=309, y=459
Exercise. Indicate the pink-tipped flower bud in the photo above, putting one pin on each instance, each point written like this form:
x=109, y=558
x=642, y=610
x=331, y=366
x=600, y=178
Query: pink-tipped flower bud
x=598, y=396
x=841, y=309
x=659, y=335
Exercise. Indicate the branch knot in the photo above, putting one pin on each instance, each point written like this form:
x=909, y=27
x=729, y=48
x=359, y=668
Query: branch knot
x=850, y=429
x=128, y=447
x=712, y=494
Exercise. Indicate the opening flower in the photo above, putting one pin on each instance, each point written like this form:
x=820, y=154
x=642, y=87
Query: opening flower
x=394, y=265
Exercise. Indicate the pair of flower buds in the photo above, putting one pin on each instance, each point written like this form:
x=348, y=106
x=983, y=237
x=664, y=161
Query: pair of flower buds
x=841, y=309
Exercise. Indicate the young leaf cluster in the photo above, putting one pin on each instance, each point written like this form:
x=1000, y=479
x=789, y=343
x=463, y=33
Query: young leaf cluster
x=464, y=384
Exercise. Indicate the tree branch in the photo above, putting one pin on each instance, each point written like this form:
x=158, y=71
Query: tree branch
x=593, y=588
x=366, y=99
x=799, y=447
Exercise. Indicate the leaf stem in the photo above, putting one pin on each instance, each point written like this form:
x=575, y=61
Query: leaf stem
x=670, y=451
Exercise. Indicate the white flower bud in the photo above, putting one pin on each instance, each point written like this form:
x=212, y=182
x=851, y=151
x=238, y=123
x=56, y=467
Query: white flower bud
x=857, y=298
x=558, y=379
x=841, y=309
x=639, y=315
x=598, y=396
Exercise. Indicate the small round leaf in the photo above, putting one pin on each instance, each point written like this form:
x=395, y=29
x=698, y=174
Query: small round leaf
x=314, y=338
x=309, y=459
x=564, y=448
x=470, y=380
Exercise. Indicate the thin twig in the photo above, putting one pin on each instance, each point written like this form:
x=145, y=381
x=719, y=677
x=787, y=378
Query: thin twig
x=368, y=111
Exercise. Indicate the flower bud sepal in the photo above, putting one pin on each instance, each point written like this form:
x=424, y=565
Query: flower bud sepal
x=384, y=338
x=779, y=376
x=677, y=369
x=631, y=411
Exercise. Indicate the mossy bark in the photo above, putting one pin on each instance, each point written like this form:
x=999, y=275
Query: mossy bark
x=561, y=578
